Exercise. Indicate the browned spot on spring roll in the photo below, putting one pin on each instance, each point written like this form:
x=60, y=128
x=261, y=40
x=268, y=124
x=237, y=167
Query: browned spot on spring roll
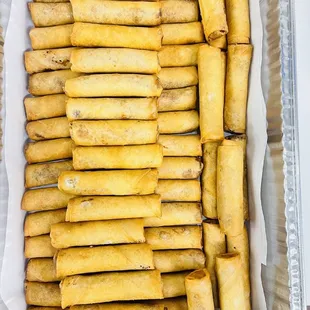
x=179, y=11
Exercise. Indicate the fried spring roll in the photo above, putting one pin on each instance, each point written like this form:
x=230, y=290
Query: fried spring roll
x=199, y=290
x=230, y=189
x=178, y=260
x=238, y=19
x=43, y=308
x=50, y=14
x=178, y=303
x=43, y=199
x=39, y=246
x=179, y=190
x=51, y=1
x=175, y=237
x=104, y=258
x=209, y=177
x=39, y=223
x=41, y=151
x=221, y=43
x=92, y=35
x=230, y=281
x=49, y=83
x=236, y=92
x=42, y=294
x=119, y=306
x=107, y=208
x=88, y=289
x=113, y=85
x=174, y=284
x=214, y=244
x=179, y=11
x=185, y=33
x=178, y=77
x=51, y=37
x=112, y=108
x=114, y=132
x=178, y=99
x=41, y=270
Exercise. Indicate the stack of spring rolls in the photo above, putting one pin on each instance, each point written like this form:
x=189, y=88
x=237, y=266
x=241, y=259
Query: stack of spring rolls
x=114, y=86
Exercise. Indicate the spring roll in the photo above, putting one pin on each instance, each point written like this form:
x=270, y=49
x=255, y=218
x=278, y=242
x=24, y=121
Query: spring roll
x=46, y=60
x=41, y=270
x=230, y=281
x=43, y=308
x=39, y=223
x=179, y=11
x=119, y=306
x=113, y=132
x=112, y=108
x=230, y=189
x=45, y=107
x=41, y=151
x=118, y=157
x=236, y=92
x=174, y=284
x=92, y=35
x=178, y=99
x=240, y=244
x=51, y=37
x=39, y=246
x=42, y=294
x=199, y=290
x=178, y=77
x=238, y=19
x=221, y=42
x=104, y=258
x=178, y=303
x=178, y=260
x=179, y=190
x=43, y=199
x=99, y=208
x=51, y=1
x=50, y=14
x=174, y=237
x=119, y=60
x=49, y=83
x=88, y=289
x=212, y=65
x=65, y=235
x=209, y=177
x=214, y=244
x=186, y=33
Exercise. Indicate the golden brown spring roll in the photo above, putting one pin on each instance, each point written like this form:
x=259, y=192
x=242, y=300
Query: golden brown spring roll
x=50, y=14
x=186, y=33
x=178, y=55
x=43, y=199
x=211, y=71
x=214, y=244
x=178, y=99
x=41, y=270
x=39, y=246
x=178, y=260
x=45, y=60
x=199, y=290
x=118, y=157
x=209, y=177
x=221, y=42
x=45, y=107
x=104, y=258
x=114, y=85
x=179, y=190
x=42, y=294
x=230, y=189
x=39, y=223
x=92, y=35
x=51, y=37
x=238, y=19
x=119, y=60
x=179, y=11
x=43, y=308
x=236, y=92
x=240, y=244
x=51, y=1
x=178, y=303
x=230, y=281
x=112, y=108
x=119, y=306
x=174, y=237
x=49, y=83
x=65, y=235
x=113, y=132
x=178, y=77
x=174, y=284
x=99, y=208
x=41, y=151
x=88, y=289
